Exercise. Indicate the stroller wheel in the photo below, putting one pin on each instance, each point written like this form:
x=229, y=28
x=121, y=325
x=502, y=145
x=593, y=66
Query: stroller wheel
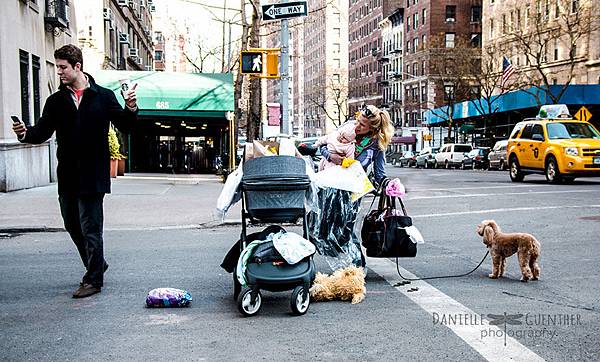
x=246, y=305
x=236, y=287
x=300, y=300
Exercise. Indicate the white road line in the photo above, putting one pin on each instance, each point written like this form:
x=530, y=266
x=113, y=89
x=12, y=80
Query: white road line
x=503, y=194
x=478, y=188
x=433, y=301
x=491, y=211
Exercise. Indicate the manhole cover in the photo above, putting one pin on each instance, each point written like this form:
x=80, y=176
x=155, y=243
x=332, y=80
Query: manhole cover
x=591, y=218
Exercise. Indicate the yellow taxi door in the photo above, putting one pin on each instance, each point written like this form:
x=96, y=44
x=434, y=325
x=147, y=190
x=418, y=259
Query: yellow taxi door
x=537, y=147
x=525, y=147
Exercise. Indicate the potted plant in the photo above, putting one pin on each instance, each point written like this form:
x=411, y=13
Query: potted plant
x=115, y=154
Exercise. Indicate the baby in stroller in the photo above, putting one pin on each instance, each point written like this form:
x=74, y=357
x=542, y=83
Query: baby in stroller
x=340, y=142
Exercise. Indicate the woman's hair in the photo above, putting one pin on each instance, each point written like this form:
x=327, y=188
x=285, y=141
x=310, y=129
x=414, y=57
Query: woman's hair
x=381, y=124
x=71, y=54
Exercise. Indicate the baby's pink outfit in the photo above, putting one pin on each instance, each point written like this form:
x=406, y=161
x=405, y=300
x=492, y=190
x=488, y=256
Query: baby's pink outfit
x=340, y=142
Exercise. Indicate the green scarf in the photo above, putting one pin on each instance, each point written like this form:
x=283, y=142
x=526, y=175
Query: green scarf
x=360, y=146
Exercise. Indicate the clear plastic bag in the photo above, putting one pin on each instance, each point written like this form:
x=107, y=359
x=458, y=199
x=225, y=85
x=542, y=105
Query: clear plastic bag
x=292, y=246
x=231, y=192
x=332, y=228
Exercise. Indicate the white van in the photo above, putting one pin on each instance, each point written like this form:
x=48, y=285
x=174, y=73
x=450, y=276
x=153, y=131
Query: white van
x=451, y=155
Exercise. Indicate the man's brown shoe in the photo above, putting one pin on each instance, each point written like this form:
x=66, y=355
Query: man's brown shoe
x=85, y=290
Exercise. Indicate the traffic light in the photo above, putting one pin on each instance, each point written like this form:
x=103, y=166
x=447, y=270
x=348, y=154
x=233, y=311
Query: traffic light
x=252, y=62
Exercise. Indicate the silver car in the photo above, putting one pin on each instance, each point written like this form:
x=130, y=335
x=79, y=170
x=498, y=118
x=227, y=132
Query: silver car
x=426, y=157
x=498, y=156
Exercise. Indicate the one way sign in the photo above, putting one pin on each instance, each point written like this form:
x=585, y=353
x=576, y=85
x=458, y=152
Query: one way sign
x=284, y=10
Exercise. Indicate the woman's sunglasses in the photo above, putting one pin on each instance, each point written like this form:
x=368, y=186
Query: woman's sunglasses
x=366, y=111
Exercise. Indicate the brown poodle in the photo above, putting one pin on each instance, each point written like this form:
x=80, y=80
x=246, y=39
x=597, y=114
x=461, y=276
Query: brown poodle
x=503, y=245
x=345, y=284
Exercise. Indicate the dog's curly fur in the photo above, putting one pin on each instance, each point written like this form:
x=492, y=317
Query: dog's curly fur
x=503, y=245
x=345, y=284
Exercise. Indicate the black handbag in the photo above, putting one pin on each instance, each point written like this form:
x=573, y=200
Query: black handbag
x=386, y=237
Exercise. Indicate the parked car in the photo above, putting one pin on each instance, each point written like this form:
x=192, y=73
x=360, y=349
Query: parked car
x=306, y=148
x=393, y=158
x=451, y=155
x=497, y=156
x=408, y=159
x=558, y=146
x=426, y=157
x=477, y=158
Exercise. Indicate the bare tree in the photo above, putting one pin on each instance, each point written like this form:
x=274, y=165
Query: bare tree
x=198, y=61
x=331, y=98
x=546, y=29
x=452, y=66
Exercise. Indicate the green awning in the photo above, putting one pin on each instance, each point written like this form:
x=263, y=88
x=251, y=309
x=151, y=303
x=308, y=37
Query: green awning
x=163, y=94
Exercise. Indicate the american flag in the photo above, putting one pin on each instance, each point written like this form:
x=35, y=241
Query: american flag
x=507, y=71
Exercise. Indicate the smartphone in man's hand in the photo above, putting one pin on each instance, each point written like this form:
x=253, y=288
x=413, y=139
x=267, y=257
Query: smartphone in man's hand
x=18, y=127
x=15, y=119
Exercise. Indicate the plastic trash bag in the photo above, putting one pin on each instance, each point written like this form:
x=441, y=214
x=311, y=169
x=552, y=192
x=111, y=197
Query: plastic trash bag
x=332, y=228
x=168, y=297
x=415, y=235
x=352, y=178
x=231, y=192
x=292, y=246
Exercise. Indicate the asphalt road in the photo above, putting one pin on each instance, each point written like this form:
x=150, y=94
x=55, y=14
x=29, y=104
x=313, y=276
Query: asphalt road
x=39, y=271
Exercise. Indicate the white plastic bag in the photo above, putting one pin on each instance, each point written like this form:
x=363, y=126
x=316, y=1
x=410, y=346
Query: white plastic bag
x=231, y=192
x=292, y=246
x=352, y=178
x=415, y=235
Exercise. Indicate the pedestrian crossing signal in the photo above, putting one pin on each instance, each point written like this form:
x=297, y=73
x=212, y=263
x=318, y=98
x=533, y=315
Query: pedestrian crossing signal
x=251, y=62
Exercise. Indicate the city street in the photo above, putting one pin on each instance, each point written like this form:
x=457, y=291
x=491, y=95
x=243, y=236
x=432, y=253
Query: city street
x=555, y=319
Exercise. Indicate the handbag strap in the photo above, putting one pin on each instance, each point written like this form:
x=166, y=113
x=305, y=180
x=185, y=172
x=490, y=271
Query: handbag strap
x=380, y=194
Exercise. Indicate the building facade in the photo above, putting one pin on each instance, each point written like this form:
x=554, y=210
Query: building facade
x=325, y=66
x=392, y=34
x=116, y=34
x=365, y=49
x=27, y=78
x=567, y=31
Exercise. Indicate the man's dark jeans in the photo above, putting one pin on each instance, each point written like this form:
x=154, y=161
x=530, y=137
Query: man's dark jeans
x=83, y=217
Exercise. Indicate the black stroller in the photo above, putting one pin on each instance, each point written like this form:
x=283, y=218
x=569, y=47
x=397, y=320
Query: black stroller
x=273, y=191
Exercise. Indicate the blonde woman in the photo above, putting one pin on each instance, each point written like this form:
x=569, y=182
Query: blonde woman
x=374, y=131
x=332, y=228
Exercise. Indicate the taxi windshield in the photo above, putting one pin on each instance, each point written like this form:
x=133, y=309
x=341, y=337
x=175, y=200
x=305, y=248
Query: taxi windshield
x=566, y=130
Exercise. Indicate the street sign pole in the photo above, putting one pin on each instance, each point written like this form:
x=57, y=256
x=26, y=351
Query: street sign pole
x=285, y=59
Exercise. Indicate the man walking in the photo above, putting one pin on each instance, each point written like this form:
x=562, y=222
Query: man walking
x=80, y=113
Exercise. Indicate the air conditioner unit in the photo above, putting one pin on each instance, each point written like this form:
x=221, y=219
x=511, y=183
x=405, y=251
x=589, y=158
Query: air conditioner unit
x=123, y=38
x=152, y=8
x=133, y=52
x=122, y=2
x=107, y=14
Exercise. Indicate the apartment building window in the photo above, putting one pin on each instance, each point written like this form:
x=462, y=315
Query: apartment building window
x=424, y=41
x=574, y=6
x=408, y=23
x=450, y=13
x=408, y=46
x=448, y=92
x=415, y=20
x=475, y=14
x=573, y=52
x=423, y=68
x=415, y=71
x=24, y=73
x=415, y=45
x=491, y=28
x=158, y=55
x=555, y=49
x=35, y=72
x=504, y=25
x=450, y=40
x=424, y=16
x=476, y=40
x=518, y=20
x=423, y=92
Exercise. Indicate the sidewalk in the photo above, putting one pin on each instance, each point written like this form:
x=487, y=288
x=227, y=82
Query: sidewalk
x=137, y=201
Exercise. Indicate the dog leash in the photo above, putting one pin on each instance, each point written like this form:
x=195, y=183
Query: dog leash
x=441, y=276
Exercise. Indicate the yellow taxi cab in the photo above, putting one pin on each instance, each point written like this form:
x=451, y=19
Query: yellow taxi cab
x=554, y=144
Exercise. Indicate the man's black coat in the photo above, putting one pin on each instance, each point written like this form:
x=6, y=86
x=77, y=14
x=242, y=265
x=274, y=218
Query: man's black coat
x=81, y=136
